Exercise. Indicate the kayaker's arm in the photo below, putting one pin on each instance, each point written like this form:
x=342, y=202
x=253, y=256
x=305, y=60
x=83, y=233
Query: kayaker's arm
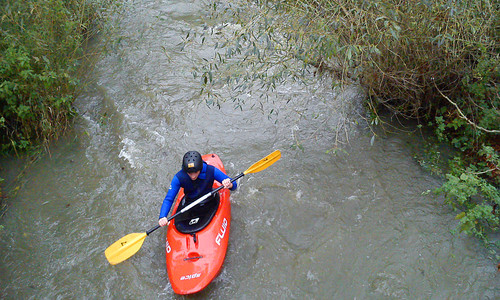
x=174, y=188
x=220, y=177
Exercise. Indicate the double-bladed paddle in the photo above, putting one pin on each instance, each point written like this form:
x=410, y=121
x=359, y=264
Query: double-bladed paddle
x=131, y=243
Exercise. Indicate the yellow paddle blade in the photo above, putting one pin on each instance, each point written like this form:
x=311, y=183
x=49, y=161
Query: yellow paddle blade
x=124, y=247
x=264, y=163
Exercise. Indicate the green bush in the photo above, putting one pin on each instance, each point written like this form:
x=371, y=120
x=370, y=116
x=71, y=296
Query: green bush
x=477, y=198
x=41, y=47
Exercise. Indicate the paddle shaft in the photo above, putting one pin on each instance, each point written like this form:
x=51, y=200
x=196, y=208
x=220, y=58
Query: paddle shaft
x=203, y=198
x=152, y=229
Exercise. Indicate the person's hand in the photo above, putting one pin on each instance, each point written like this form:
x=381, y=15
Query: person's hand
x=227, y=183
x=163, y=221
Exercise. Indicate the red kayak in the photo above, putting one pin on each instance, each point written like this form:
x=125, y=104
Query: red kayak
x=197, y=242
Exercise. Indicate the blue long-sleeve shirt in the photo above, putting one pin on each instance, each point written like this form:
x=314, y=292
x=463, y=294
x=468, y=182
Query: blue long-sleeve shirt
x=175, y=186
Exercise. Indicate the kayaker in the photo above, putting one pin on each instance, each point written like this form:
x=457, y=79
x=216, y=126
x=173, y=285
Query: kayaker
x=197, y=178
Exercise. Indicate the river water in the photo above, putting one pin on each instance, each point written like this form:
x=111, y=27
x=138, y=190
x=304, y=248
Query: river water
x=348, y=224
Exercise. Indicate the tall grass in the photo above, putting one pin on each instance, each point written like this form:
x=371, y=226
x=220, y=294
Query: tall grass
x=41, y=49
x=407, y=52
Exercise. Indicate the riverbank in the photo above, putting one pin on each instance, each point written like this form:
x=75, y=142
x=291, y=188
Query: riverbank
x=42, y=62
x=42, y=52
x=434, y=62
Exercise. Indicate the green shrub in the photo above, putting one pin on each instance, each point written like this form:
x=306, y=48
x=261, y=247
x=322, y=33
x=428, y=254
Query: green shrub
x=41, y=47
x=476, y=198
